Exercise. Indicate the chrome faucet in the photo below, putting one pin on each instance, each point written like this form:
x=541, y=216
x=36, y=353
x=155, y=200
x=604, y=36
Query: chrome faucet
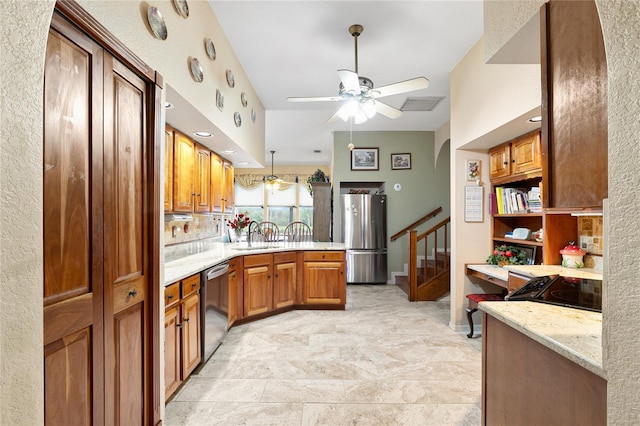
x=249, y=231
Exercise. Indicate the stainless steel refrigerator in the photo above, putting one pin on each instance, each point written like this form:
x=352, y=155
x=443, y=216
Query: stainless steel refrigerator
x=364, y=233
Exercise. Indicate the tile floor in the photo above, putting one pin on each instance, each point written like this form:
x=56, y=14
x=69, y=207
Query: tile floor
x=382, y=361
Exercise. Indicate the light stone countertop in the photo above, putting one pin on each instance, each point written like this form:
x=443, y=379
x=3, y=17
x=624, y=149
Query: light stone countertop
x=575, y=334
x=213, y=253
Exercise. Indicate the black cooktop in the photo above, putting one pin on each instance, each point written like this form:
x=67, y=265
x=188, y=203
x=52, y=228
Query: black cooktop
x=581, y=293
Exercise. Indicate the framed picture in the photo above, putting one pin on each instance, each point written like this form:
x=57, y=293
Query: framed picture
x=219, y=99
x=400, y=161
x=530, y=250
x=364, y=159
x=473, y=170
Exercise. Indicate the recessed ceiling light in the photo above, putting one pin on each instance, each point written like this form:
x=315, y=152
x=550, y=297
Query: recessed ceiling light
x=228, y=151
x=535, y=119
x=203, y=134
x=243, y=163
x=168, y=105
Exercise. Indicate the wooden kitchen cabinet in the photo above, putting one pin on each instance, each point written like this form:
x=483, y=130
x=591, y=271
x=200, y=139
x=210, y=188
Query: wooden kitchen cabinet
x=229, y=200
x=202, y=179
x=284, y=282
x=236, y=292
x=324, y=279
x=183, y=177
x=519, y=158
x=183, y=350
x=168, y=169
x=258, y=284
x=217, y=184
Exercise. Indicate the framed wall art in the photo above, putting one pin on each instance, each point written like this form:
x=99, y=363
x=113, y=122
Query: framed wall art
x=364, y=159
x=400, y=161
x=473, y=170
x=219, y=99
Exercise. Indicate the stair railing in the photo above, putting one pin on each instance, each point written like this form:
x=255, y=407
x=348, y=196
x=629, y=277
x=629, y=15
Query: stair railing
x=415, y=224
x=438, y=266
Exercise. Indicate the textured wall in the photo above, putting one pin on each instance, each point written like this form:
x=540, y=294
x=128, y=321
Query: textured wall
x=21, y=74
x=621, y=21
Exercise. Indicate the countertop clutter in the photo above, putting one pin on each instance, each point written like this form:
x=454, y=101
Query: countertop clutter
x=502, y=273
x=189, y=259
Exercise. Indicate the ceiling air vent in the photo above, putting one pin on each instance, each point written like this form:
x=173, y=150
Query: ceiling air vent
x=425, y=103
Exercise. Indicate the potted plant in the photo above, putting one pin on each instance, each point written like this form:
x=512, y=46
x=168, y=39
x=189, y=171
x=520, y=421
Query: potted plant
x=318, y=176
x=507, y=255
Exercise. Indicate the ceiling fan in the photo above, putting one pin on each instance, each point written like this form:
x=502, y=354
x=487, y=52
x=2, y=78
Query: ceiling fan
x=359, y=96
x=273, y=179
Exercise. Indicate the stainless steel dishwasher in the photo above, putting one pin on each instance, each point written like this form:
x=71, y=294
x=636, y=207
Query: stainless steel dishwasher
x=214, y=308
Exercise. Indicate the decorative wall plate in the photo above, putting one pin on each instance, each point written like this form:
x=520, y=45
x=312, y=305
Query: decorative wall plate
x=231, y=79
x=181, y=7
x=237, y=119
x=196, y=70
x=253, y=115
x=219, y=99
x=156, y=23
x=243, y=99
x=210, y=49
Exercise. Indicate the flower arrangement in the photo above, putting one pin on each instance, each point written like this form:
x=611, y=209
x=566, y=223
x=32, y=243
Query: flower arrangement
x=240, y=222
x=317, y=176
x=507, y=255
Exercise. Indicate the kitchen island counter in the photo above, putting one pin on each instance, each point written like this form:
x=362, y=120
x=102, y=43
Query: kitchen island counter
x=199, y=256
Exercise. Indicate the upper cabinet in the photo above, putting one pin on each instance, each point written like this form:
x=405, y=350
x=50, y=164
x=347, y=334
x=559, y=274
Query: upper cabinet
x=518, y=159
x=574, y=105
x=196, y=179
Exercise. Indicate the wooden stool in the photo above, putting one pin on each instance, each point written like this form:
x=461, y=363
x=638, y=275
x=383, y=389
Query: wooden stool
x=474, y=299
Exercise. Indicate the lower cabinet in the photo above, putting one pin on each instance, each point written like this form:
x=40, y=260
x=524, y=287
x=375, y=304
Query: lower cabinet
x=284, y=281
x=182, y=350
x=258, y=284
x=324, y=279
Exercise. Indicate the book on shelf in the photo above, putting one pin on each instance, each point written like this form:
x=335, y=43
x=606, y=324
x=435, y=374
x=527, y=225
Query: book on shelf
x=517, y=200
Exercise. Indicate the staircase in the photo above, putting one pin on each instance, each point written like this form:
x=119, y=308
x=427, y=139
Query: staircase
x=428, y=279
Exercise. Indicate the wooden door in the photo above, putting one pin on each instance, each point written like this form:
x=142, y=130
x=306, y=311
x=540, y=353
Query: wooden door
x=73, y=232
x=202, y=180
x=324, y=283
x=217, y=184
x=183, y=157
x=127, y=208
x=191, y=355
x=228, y=188
x=499, y=161
x=525, y=153
x=284, y=282
x=232, y=313
x=172, y=351
x=258, y=285
x=168, y=169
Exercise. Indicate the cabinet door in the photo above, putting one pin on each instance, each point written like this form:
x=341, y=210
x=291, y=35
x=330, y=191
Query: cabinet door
x=232, y=313
x=183, y=162
x=324, y=283
x=525, y=153
x=190, y=334
x=228, y=188
x=168, y=169
x=258, y=290
x=202, y=180
x=499, y=161
x=172, y=351
x=217, y=184
x=284, y=284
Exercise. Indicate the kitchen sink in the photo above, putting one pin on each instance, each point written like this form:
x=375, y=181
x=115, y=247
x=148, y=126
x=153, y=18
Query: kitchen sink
x=250, y=248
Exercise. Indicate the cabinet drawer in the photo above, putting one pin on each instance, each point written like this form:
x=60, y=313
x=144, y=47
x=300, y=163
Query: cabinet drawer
x=171, y=294
x=284, y=257
x=129, y=293
x=257, y=259
x=190, y=285
x=324, y=255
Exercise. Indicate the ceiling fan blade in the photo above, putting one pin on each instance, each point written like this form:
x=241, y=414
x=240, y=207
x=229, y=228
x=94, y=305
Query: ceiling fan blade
x=387, y=110
x=350, y=81
x=400, y=87
x=335, y=117
x=315, y=99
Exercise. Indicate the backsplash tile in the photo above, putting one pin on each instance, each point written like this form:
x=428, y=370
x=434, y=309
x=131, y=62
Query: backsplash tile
x=203, y=226
x=590, y=234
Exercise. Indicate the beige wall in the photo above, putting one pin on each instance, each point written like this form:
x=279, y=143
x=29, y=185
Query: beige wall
x=21, y=70
x=483, y=98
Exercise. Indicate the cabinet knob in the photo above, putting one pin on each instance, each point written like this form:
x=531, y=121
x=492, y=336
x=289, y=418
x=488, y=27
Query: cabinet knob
x=513, y=161
x=133, y=293
x=505, y=163
x=193, y=285
x=178, y=325
x=186, y=320
x=277, y=275
x=170, y=296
